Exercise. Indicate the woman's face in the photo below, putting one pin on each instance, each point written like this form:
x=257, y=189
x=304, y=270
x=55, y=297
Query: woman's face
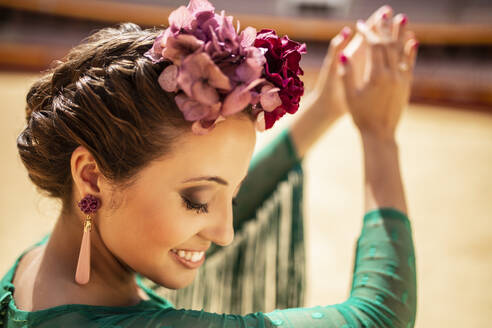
x=181, y=202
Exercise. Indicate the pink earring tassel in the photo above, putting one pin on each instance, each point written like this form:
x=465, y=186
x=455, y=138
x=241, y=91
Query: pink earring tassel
x=84, y=263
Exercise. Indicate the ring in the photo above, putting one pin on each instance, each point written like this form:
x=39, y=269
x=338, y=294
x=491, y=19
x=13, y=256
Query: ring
x=403, y=67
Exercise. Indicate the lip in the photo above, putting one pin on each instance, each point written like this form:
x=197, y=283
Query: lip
x=191, y=250
x=186, y=263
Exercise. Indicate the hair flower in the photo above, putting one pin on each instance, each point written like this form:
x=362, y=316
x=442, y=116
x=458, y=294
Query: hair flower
x=217, y=71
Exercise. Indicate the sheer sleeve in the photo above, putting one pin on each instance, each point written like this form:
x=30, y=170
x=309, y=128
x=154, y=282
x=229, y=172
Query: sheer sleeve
x=383, y=292
x=269, y=166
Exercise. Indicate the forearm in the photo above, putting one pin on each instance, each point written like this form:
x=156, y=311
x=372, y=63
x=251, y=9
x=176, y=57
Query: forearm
x=383, y=186
x=313, y=121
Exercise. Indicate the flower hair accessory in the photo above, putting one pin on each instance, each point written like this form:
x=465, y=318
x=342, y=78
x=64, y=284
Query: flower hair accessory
x=216, y=71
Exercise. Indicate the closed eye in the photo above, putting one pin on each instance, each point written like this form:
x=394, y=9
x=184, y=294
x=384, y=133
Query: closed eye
x=200, y=208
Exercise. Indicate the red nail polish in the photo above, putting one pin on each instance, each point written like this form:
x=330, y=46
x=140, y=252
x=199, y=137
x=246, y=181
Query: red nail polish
x=343, y=58
x=416, y=44
x=385, y=15
x=404, y=20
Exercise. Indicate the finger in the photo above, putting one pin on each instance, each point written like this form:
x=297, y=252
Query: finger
x=369, y=35
x=377, y=15
x=337, y=44
x=330, y=62
x=347, y=74
x=377, y=62
x=384, y=27
x=392, y=54
x=399, y=27
x=411, y=47
x=409, y=35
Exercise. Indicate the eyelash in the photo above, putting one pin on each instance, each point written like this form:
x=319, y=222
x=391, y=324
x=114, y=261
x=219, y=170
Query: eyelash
x=200, y=208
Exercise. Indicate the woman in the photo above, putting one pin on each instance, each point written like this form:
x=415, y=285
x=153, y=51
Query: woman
x=144, y=190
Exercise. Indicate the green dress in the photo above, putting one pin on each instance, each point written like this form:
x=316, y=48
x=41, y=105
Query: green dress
x=383, y=292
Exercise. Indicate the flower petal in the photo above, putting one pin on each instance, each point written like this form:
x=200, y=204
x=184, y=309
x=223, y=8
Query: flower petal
x=247, y=37
x=180, y=46
x=213, y=113
x=168, y=78
x=180, y=18
x=204, y=93
x=216, y=78
x=236, y=100
x=269, y=98
x=196, y=6
x=191, y=70
x=155, y=53
x=191, y=109
x=199, y=129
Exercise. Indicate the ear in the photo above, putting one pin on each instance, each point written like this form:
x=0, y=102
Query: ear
x=85, y=173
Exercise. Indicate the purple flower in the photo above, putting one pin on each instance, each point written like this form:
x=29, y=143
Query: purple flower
x=239, y=98
x=282, y=70
x=217, y=71
x=168, y=79
x=200, y=78
x=193, y=110
x=181, y=19
x=181, y=46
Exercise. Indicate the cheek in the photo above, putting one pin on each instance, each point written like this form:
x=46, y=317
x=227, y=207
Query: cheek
x=145, y=227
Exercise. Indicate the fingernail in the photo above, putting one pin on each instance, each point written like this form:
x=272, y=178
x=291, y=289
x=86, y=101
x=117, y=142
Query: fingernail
x=416, y=44
x=385, y=15
x=404, y=20
x=343, y=58
x=346, y=32
x=388, y=8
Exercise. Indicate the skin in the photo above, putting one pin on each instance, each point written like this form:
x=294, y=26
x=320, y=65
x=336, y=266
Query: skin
x=327, y=102
x=150, y=214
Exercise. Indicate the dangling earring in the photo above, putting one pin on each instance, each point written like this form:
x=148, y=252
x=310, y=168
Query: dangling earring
x=89, y=205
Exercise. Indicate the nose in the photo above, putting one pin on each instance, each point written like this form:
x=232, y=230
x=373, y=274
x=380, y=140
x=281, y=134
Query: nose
x=221, y=228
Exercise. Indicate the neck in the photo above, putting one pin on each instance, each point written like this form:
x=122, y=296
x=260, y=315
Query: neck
x=111, y=282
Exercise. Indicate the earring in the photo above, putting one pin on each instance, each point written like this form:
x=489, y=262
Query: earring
x=89, y=205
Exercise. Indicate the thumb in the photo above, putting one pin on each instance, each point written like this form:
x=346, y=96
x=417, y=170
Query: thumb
x=337, y=44
x=347, y=74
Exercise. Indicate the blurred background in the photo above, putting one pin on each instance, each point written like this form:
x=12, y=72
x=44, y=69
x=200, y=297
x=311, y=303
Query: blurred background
x=445, y=137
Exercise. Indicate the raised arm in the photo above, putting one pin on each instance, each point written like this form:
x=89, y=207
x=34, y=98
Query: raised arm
x=326, y=103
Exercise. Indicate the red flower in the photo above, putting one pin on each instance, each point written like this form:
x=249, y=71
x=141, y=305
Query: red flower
x=282, y=70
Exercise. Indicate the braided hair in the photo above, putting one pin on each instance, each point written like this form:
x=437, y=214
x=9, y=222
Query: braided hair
x=103, y=95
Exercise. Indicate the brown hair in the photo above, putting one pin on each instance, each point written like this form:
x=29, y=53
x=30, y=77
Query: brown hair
x=103, y=95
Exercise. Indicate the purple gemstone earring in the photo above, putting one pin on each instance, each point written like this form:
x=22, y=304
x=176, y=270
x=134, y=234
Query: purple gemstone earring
x=89, y=205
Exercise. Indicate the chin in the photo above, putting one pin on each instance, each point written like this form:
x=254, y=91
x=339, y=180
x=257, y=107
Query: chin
x=176, y=280
x=180, y=282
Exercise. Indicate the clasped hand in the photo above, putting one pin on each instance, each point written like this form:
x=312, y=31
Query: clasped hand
x=369, y=75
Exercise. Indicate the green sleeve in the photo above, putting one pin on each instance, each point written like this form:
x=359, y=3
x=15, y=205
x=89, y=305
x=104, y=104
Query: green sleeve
x=269, y=166
x=383, y=292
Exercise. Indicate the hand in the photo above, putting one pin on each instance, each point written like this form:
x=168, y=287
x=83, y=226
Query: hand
x=329, y=86
x=376, y=105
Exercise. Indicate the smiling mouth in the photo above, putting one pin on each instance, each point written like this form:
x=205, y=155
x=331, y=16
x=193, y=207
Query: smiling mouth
x=191, y=260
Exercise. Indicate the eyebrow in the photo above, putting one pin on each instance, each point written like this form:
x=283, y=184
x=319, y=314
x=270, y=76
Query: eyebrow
x=213, y=178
